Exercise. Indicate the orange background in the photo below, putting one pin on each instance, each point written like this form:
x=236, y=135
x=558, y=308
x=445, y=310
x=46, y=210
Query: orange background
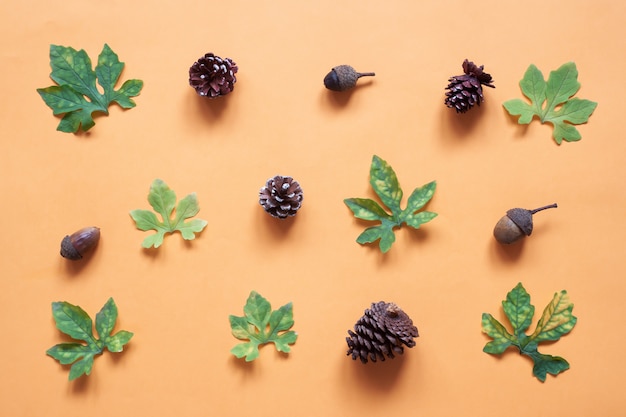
x=281, y=120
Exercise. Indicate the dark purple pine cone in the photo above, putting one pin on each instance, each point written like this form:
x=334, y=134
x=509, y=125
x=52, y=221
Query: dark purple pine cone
x=466, y=90
x=381, y=332
x=281, y=196
x=213, y=76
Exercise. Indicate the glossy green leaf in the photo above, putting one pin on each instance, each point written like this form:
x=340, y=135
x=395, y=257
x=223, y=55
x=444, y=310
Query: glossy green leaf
x=556, y=321
x=73, y=321
x=552, y=101
x=385, y=183
x=77, y=96
x=163, y=201
x=261, y=325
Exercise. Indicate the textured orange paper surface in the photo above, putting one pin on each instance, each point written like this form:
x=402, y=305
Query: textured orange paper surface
x=281, y=120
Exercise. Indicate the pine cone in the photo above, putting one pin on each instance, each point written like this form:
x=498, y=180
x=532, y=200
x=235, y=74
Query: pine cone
x=381, y=332
x=213, y=76
x=466, y=90
x=281, y=196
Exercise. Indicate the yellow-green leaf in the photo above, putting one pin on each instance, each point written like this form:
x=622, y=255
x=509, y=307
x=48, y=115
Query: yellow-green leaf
x=385, y=183
x=557, y=320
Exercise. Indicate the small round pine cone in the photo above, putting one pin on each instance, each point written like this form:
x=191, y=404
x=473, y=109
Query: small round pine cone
x=281, y=196
x=466, y=90
x=381, y=332
x=212, y=76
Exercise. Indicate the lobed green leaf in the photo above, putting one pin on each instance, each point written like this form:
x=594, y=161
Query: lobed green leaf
x=552, y=101
x=385, y=183
x=556, y=320
x=261, y=325
x=163, y=201
x=77, y=95
x=73, y=321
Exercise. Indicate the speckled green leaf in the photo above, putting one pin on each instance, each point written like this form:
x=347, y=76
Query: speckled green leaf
x=366, y=209
x=75, y=322
x=261, y=325
x=77, y=96
x=556, y=321
x=518, y=309
x=385, y=183
x=502, y=339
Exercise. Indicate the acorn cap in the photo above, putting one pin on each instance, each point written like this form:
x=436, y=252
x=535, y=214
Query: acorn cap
x=522, y=218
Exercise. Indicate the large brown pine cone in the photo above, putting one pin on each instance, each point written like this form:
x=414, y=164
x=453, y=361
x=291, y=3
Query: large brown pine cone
x=382, y=331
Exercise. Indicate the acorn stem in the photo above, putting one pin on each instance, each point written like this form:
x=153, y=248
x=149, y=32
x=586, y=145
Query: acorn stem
x=365, y=74
x=543, y=208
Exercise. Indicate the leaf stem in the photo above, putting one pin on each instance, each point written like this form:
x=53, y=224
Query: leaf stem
x=543, y=208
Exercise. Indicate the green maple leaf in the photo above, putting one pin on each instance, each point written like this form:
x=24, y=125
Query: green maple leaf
x=385, y=183
x=163, y=201
x=76, y=95
x=556, y=321
x=545, y=97
x=261, y=325
x=74, y=322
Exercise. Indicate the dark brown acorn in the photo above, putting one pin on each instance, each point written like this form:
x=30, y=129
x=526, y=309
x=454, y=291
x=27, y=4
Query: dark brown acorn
x=343, y=77
x=74, y=246
x=516, y=224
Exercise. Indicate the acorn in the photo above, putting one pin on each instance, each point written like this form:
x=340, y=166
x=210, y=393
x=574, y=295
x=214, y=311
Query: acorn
x=74, y=246
x=343, y=77
x=516, y=224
